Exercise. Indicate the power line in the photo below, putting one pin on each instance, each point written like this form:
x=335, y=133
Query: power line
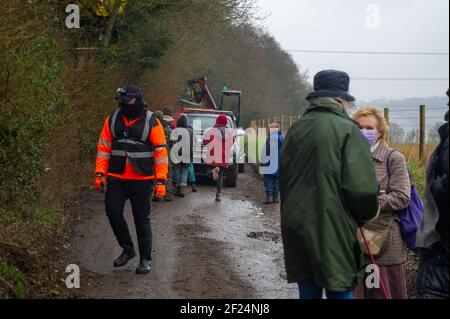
x=368, y=52
x=366, y=32
x=402, y=79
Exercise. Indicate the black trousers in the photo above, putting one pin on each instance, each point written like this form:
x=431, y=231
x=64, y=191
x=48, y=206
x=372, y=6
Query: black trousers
x=138, y=192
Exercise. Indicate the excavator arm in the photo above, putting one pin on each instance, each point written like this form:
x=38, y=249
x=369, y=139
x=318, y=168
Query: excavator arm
x=201, y=93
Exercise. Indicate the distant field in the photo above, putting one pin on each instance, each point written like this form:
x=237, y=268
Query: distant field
x=411, y=152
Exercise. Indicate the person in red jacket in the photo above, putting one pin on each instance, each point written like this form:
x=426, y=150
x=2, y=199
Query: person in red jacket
x=219, y=141
x=132, y=160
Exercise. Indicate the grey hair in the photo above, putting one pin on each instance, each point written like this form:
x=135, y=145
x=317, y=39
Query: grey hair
x=346, y=105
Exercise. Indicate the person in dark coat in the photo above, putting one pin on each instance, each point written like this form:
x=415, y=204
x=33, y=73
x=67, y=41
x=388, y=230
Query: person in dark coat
x=271, y=164
x=433, y=235
x=168, y=117
x=181, y=169
x=328, y=187
x=167, y=132
x=169, y=125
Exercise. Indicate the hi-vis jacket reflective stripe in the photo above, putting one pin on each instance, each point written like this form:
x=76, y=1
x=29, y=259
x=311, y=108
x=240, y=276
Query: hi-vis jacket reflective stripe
x=132, y=150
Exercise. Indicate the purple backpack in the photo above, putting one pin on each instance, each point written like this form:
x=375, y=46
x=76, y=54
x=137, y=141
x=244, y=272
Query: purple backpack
x=411, y=216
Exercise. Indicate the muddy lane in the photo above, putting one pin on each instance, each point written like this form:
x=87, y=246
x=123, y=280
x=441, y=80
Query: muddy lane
x=202, y=249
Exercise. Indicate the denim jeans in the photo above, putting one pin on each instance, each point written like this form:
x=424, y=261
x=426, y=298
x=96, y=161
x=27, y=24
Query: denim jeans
x=309, y=290
x=271, y=185
x=180, y=174
x=191, y=175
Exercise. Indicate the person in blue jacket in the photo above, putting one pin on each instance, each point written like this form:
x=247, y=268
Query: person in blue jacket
x=270, y=160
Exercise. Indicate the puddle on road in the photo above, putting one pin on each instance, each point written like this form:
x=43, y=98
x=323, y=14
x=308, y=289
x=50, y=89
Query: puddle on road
x=240, y=208
x=252, y=244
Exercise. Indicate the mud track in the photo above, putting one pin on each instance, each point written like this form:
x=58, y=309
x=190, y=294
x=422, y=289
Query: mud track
x=202, y=249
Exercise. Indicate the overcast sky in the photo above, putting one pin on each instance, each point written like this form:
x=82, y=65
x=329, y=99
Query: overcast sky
x=352, y=25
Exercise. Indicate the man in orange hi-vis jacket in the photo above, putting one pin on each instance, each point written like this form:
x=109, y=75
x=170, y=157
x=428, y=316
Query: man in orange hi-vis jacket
x=132, y=158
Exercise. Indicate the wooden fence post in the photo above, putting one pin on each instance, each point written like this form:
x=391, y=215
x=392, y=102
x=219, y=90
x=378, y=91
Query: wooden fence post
x=387, y=118
x=422, y=132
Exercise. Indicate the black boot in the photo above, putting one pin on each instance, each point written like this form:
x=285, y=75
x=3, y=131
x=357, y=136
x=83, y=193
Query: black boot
x=194, y=188
x=144, y=267
x=179, y=193
x=127, y=255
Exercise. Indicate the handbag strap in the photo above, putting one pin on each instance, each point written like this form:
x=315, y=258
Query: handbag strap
x=388, y=164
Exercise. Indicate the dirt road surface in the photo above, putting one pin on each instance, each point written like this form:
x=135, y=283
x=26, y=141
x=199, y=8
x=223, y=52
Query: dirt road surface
x=202, y=249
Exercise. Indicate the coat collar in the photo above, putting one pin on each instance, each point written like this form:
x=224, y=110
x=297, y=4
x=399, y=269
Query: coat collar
x=328, y=105
x=382, y=152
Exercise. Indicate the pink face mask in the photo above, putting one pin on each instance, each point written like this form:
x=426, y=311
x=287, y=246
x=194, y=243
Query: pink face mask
x=371, y=136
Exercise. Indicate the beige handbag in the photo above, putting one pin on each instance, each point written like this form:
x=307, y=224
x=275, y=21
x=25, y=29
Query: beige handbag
x=376, y=236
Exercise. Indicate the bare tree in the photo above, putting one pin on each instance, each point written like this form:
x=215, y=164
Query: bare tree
x=413, y=137
x=396, y=133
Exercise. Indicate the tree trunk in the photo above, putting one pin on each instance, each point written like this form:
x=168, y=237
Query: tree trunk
x=113, y=10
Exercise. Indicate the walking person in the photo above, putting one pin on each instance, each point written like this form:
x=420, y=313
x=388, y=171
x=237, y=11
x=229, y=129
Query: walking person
x=168, y=117
x=219, y=141
x=171, y=124
x=433, y=234
x=328, y=187
x=181, y=169
x=131, y=157
x=167, y=132
x=395, y=193
x=271, y=164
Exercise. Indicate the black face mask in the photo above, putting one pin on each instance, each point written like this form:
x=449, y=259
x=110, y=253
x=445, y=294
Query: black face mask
x=132, y=111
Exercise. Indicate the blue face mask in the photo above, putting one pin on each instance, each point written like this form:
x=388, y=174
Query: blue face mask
x=371, y=136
